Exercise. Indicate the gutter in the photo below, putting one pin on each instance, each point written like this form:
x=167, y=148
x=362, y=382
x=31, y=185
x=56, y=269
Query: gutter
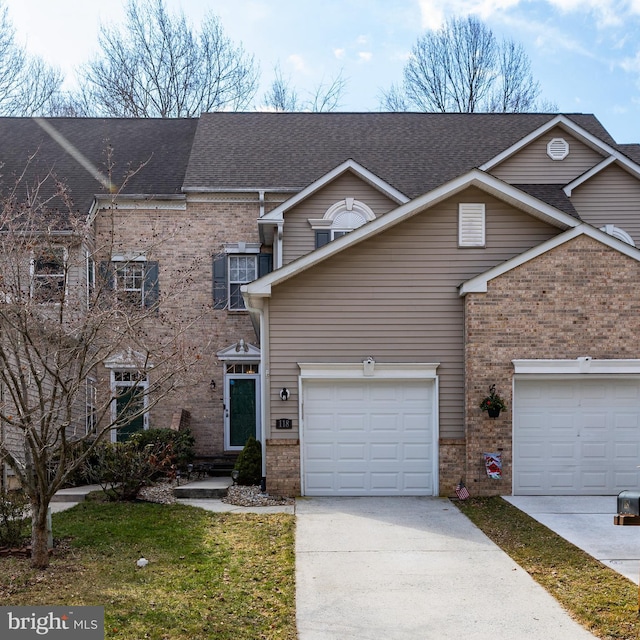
x=256, y=306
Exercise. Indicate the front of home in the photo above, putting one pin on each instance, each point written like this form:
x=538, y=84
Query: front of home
x=359, y=281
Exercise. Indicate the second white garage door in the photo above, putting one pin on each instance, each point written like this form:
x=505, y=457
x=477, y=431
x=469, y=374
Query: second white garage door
x=368, y=437
x=576, y=436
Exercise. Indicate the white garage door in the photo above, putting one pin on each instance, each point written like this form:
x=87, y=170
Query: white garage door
x=368, y=438
x=576, y=436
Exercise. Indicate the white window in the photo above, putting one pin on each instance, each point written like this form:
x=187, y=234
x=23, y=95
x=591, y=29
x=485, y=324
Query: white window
x=48, y=275
x=471, y=224
x=135, y=281
x=91, y=420
x=242, y=270
x=341, y=218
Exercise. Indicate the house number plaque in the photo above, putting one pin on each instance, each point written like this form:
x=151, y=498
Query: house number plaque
x=284, y=423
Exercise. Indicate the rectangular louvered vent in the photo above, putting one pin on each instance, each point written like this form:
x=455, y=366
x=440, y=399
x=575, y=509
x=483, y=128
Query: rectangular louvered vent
x=471, y=226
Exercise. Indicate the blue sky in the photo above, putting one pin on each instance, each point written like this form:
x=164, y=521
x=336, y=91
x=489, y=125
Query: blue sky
x=584, y=53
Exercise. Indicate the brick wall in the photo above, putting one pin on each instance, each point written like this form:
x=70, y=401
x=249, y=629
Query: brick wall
x=283, y=467
x=184, y=242
x=580, y=299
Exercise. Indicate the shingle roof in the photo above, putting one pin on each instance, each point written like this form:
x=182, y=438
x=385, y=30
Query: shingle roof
x=414, y=152
x=164, y=144
x=552, y=194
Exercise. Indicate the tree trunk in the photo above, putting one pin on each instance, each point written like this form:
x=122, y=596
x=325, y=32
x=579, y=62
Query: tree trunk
x=39, y=534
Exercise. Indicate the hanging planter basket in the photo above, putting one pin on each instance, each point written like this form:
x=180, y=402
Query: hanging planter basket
x=493, y=404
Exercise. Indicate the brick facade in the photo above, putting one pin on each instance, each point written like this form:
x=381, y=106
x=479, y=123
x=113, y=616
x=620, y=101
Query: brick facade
x=184, y=238
x=579, y=299
x=283, y=467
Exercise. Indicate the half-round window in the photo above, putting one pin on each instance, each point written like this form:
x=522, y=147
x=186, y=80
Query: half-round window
x=347, y=215
x=616, y=232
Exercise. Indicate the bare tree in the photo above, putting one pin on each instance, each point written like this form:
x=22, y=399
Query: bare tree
x=61, y=319
x=157, y=66
x=27, y=84
x=282, y=97
x=463, y=68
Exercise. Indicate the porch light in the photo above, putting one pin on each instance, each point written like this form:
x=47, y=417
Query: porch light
x=368, y=366
x=284, y=393
x=212, y=385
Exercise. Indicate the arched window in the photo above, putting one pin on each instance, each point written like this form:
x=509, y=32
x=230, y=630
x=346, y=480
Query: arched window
x=341, y=218
x=616, y=232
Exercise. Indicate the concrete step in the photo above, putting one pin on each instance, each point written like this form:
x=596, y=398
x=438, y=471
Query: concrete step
x=75, y=494
x=214, y=487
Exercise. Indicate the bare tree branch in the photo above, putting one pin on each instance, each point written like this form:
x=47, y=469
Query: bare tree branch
x=463, y=68
x=157, y=66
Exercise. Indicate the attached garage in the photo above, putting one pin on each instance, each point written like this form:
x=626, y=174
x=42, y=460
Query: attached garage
x=369, y=436
x=576, y=435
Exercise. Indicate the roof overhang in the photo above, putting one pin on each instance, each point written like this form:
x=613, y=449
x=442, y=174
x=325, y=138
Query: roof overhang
x=479, y=284
x=559, y=121
x=261, y=288
x=270, y=221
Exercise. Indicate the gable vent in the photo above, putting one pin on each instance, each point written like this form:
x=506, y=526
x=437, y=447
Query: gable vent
x=471, y=226
x=558, y=149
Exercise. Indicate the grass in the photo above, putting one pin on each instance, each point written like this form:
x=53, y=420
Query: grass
x=603, y=601
x=210, y=575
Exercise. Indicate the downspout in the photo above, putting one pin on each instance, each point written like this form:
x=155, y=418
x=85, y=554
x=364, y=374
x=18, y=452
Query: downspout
x=256, y=306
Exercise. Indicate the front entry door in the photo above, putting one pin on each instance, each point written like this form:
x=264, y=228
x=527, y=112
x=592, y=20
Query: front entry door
x=242, y=411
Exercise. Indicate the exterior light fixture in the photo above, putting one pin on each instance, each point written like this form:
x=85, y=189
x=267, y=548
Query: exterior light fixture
x=284, y=393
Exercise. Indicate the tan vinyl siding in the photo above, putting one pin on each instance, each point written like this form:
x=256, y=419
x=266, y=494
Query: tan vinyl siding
x=393, y=297
x=610, y=197
x=299, y=237
x=532, y=165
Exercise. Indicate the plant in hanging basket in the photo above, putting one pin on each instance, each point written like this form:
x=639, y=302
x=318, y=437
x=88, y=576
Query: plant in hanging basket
x=493, y=403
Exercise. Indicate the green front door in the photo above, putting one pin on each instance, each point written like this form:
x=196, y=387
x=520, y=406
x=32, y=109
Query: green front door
x=242, y=410
x=129, y=401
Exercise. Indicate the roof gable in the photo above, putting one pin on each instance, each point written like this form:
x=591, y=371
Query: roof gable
x=277, y=214
x=484, y=181
x=479, y=283
x=604, y=144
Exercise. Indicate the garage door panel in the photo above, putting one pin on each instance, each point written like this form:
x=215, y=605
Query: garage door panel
x=380, y=441
x=584, y=437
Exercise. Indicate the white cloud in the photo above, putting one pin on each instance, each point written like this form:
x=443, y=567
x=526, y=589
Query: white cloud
x=297, y=61
x=365, y=56
x=339, y=53
x=435, y=12
x=631, y=65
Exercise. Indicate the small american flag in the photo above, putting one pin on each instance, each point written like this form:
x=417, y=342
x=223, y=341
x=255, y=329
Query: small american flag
x=461, y=491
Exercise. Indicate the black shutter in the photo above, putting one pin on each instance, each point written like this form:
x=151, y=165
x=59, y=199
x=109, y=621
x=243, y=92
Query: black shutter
x=151, y=284
x=265, y=264
x=322, y=238
x=220, y=293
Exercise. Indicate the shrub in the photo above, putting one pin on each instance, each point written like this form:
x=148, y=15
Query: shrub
x=182, y=443
x=122, y=468
x=13, y=518
x=249, y=463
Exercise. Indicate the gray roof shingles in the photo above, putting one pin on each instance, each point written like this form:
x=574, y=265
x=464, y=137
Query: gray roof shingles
x=163, y=144
x=414, y=152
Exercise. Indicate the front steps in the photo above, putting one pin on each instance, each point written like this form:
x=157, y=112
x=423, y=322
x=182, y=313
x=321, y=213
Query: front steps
x=209, y=488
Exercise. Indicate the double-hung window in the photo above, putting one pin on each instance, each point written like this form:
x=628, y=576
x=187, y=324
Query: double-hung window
x=134, y=281
x=48, y=275
x=240, y=264
x=242, y=269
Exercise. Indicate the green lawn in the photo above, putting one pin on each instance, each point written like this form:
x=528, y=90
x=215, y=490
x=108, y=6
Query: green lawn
x=210, y=575
x=602, y=600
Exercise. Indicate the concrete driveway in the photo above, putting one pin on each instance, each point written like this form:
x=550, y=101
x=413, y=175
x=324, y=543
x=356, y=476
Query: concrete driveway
x=412, y=568
x=587, y=522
